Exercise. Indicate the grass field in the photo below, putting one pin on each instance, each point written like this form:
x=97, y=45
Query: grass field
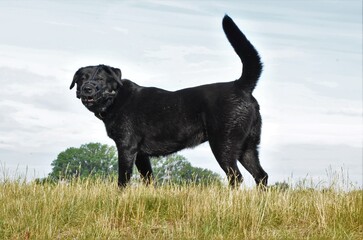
x=99, y=210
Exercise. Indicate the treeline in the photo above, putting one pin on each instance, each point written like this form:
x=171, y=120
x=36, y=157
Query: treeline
x=96, y=160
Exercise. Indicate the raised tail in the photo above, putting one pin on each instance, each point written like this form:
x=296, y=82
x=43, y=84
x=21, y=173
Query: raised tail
x=252, y=66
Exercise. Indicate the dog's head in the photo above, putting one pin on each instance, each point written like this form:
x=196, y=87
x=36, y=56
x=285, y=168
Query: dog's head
x=97, y=86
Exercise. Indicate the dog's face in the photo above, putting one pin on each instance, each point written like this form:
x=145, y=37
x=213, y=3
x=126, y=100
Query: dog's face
x=97, y=86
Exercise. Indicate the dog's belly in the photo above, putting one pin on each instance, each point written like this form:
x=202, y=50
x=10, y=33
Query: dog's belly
x=165, y=141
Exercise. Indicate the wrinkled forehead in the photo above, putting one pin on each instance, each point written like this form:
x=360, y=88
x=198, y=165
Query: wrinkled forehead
x=92, y=72
x=95, y=73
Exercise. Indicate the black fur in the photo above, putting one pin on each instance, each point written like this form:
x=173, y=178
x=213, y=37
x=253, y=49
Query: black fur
x=148, y=121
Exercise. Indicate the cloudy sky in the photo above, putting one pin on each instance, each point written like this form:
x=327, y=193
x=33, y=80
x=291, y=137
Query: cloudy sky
x=310, y=91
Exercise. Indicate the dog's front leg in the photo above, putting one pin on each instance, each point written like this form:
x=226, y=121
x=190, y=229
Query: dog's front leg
x=143, y=164
x=126, y=159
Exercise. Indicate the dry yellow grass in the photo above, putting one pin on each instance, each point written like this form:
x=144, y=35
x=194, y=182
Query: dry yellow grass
x=99, y=210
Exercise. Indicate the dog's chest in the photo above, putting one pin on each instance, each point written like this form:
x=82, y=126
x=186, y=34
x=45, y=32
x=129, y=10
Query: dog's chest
x=119, y=129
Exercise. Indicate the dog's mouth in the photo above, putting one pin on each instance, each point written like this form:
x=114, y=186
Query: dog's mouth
x=88, y=101
x=96, y=97
x=90, y=93
x=99, y=101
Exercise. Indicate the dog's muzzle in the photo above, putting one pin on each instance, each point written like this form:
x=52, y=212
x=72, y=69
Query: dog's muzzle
x=92, y=92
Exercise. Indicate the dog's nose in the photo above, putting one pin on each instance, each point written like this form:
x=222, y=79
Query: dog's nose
x=88, y=89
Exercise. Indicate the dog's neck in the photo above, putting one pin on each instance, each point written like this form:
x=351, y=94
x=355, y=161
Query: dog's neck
x=117, y=101
x=104, y=111
x=100, y=115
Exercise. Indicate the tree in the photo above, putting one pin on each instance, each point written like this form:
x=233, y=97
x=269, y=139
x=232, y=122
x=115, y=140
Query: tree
x=281, y=186
x=100, y=160
x=92, y=159
x=177, y=169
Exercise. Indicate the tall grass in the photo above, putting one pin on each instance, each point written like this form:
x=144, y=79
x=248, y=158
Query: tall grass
x=99, y=210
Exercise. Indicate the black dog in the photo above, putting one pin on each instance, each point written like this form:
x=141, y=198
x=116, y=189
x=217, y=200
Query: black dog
x=147, y=121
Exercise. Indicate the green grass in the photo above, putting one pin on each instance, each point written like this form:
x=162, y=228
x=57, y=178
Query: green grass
x=99, y=210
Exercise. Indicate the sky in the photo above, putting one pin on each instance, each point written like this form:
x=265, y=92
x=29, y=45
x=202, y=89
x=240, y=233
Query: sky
x=310, y=91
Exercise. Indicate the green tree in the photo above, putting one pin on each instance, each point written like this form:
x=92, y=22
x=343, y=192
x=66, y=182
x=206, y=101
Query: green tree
x=100, y=160
x=92, y=159
x=176, y=169
x=281, y=186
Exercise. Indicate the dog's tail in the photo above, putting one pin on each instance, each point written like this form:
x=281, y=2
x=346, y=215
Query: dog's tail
x=252, y=66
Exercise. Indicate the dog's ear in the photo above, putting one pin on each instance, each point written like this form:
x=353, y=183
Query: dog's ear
x=75, y=78
x=116, y=73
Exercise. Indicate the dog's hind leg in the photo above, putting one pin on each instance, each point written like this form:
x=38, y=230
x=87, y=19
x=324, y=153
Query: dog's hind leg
x=144, y=166
x=249, y=153
x=249, y=159
x=227, y=159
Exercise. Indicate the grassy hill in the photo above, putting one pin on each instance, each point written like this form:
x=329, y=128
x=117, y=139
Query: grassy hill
x=99, y=210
